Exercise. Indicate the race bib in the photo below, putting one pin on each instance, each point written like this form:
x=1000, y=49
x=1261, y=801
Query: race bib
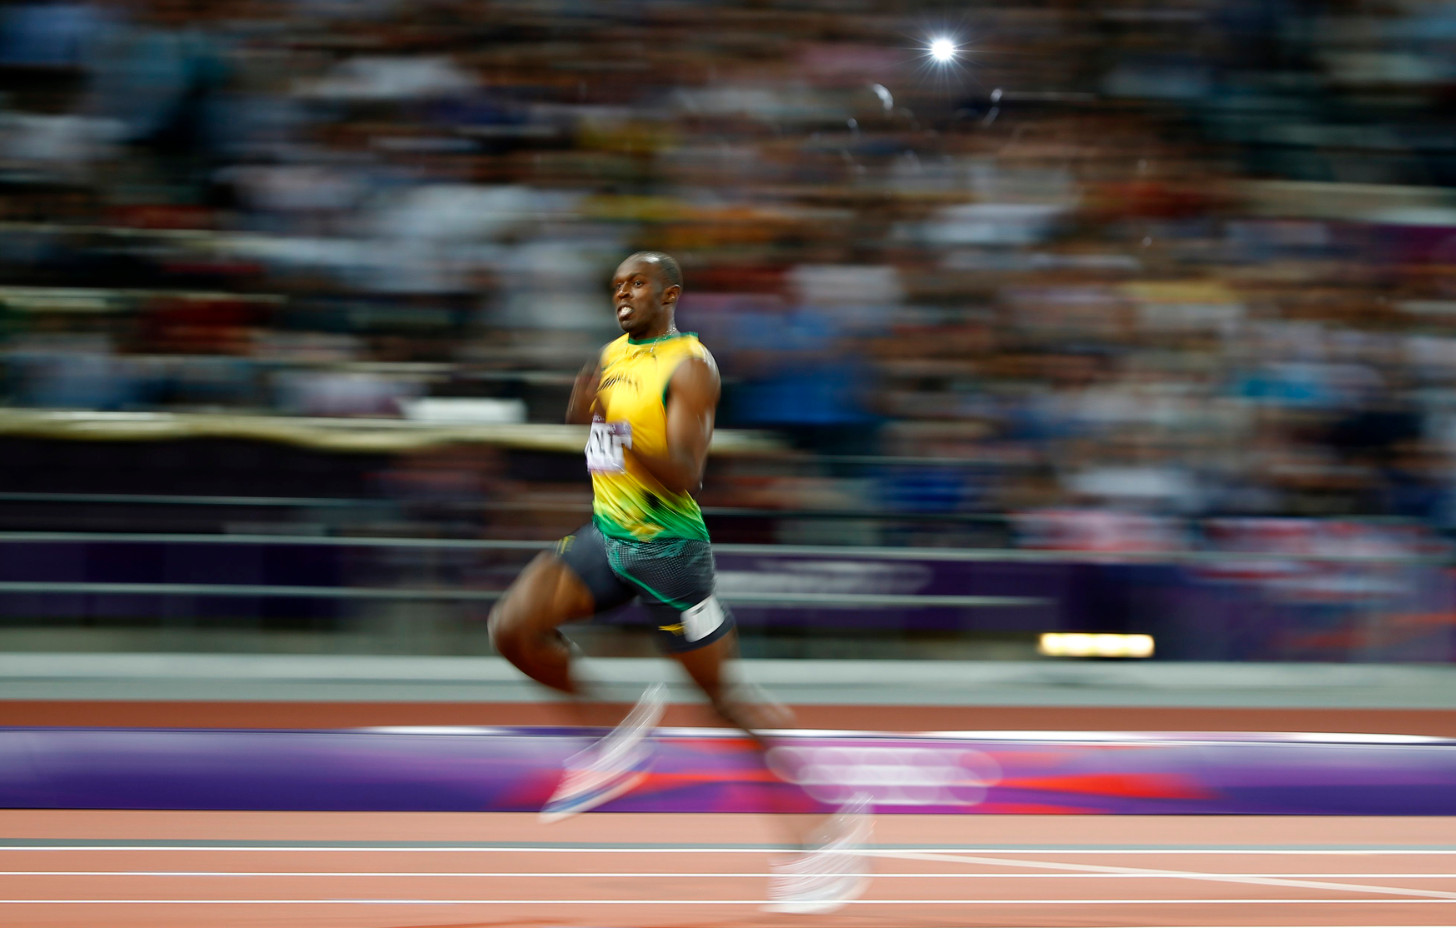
x=703, y=619
x=604, y=446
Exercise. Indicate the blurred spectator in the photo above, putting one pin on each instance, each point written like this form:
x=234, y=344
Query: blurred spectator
x=794, y=375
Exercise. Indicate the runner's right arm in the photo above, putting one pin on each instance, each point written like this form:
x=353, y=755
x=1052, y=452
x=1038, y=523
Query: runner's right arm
x=583, y=403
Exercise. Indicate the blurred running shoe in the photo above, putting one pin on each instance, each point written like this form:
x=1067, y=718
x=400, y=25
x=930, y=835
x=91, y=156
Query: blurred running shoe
x=832, y=872
x=612, y=766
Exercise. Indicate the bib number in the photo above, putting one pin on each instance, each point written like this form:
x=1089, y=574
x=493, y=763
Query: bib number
x=604, y=446
x=703, y=619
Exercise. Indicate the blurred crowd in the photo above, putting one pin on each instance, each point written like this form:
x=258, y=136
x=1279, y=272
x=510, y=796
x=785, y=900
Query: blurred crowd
x=1171, y=260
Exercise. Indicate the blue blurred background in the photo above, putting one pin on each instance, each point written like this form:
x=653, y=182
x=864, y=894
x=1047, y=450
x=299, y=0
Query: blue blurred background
x=1133, y=317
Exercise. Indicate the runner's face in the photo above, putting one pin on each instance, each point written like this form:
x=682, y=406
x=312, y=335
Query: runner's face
x=642, y=303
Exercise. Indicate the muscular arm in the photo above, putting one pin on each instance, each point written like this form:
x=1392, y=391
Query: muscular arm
x=692, y=404
x=583, y=402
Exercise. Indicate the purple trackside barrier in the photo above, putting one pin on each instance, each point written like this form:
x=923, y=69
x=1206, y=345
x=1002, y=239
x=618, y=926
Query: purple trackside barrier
x=705, y=770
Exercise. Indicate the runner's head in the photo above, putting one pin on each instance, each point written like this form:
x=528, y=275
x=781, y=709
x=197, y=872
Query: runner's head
x=644, y=294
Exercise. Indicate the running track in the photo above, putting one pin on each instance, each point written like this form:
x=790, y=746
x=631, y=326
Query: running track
x=390, y=870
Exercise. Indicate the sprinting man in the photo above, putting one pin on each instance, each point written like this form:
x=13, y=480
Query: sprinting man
x=650, y=397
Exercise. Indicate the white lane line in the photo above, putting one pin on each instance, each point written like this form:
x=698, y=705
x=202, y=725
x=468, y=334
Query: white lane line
x=719, y=874
x=699, y=849
x=1186, y=875
x=696, y=902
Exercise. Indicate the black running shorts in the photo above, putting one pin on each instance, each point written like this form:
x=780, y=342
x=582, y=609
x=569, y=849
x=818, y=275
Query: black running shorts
x=675, y=579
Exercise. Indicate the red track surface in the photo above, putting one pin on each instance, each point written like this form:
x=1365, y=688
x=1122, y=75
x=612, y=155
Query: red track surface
x=969, y=870
x=282, y=869
x=167, y=714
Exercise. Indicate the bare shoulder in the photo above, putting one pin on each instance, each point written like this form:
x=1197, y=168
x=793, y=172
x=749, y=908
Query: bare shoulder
x=696, y=379
x=707, y=360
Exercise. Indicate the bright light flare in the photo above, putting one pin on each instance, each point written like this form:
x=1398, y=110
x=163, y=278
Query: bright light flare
x=943, y=50
x=1075, y=644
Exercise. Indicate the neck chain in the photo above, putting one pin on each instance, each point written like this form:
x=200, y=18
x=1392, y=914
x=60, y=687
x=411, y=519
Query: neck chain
x=652, y=345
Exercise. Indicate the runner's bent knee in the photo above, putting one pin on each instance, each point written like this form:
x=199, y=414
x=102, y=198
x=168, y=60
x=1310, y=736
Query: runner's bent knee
x=507, y=635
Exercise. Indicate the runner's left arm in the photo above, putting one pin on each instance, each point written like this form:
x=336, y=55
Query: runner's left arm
x=692, y=404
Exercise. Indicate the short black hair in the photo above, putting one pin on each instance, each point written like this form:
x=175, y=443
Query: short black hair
x=670, y=271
